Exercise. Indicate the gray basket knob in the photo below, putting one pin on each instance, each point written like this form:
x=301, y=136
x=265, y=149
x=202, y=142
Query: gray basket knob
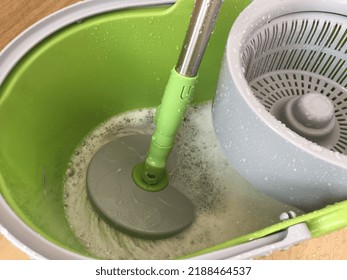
x=310, y=115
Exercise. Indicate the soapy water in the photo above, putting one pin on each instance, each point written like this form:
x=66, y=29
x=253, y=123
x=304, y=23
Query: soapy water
x=227, y=206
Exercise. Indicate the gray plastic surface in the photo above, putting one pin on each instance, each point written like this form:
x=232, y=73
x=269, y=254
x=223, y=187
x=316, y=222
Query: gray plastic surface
x=266, y=152
x=126, y=206
x=312, y=116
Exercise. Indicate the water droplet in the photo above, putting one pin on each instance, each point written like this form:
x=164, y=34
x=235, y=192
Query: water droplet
x=118, y=170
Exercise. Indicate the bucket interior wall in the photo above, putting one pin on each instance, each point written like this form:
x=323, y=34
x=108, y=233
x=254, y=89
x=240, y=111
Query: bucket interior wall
x=74, y=81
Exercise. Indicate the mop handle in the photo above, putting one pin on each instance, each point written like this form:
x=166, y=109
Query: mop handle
x=197, y=37
x=177, y=96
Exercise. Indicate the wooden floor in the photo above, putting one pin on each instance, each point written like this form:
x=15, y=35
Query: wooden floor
x=17, y=15
x=10, y=252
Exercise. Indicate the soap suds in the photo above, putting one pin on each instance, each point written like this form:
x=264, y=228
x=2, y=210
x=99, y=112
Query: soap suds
x=227, y=206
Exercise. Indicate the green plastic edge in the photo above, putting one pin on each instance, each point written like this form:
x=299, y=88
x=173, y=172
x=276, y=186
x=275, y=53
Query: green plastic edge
x=320, y=222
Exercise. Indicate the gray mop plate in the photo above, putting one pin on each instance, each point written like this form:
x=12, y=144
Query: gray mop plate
x=115, y=196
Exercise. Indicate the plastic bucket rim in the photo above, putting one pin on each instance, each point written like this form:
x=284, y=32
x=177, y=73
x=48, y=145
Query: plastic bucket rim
x=14, y=229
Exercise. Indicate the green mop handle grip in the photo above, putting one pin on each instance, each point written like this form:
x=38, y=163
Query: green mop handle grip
x=177, y=96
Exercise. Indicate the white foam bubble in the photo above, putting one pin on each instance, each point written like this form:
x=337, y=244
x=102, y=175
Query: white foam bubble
x=227, y=206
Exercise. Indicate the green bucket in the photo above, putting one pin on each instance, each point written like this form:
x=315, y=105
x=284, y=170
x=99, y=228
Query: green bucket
x=73, y=80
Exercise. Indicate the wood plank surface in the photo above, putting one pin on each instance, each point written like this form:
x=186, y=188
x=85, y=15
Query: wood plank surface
x=17, y=15
x=9, y=252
